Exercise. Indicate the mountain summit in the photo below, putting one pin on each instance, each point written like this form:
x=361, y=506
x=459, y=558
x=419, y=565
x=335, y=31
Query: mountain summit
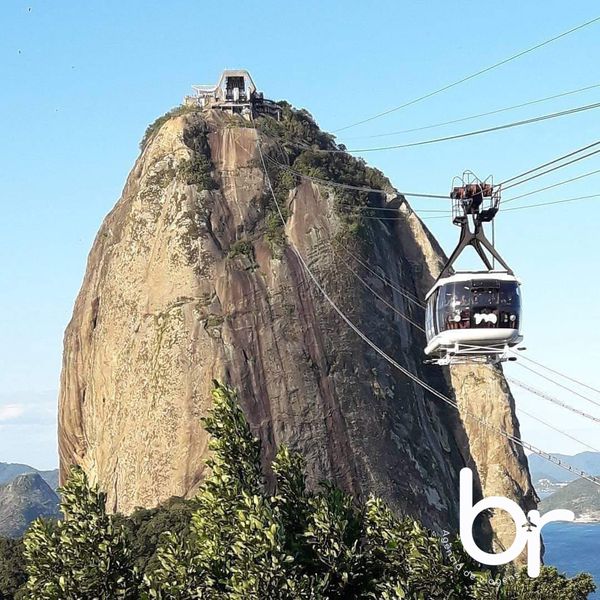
x=24, y=499
x=191, y=278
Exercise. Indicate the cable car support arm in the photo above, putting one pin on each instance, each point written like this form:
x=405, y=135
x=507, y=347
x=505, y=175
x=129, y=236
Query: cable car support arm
x=478, y=202
x=480, y=243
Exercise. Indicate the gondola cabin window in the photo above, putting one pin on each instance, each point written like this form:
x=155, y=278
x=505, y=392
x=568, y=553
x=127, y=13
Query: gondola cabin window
x=474, y=304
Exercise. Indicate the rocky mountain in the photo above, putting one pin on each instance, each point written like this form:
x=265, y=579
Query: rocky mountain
x=24, y=499
x=192, y=277
x=581, y=496
x=8, y=471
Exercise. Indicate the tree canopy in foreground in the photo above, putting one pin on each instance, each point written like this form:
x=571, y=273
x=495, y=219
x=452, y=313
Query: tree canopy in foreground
x=240, y=540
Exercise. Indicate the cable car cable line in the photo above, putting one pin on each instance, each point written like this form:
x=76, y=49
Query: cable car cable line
x=473, y=75
x=527, y=206
x=551, y=203
x=566, y=434
x=549, y=187
x=566, y=388
x=552, y=162
x=581, y=383
x=560, y=385
x=545, y=396
x=457, y=136
x=406, y=372
x=377, y=295
x=477, y=116
x=403, y=292
x=555, y=168
x=446, y=213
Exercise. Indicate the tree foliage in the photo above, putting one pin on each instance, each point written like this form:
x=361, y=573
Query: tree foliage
x=84, y=556
x=12, y=568
x=241, y=539
x=248, y=543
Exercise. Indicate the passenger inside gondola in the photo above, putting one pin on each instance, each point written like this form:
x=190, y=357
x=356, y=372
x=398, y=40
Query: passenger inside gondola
x=485, y=318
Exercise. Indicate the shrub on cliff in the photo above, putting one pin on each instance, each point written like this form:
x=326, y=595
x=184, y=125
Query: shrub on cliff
x=299, y=144
x=198, y=171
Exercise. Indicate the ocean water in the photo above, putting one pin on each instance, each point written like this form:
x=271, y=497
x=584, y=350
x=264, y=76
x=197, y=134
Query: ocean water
x=573, y=548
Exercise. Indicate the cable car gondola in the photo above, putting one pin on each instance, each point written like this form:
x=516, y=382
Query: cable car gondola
x=473, y=316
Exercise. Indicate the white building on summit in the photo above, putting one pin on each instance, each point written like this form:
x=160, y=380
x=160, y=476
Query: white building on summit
x=235, y=93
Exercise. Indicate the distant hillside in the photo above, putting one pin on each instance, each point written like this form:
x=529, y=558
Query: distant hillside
x=580, y=496
x=542, y=469
x=8, y=471
x=24, y=499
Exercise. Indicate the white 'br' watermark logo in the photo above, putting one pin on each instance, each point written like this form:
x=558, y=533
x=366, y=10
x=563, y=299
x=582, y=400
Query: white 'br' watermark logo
x=529, y=528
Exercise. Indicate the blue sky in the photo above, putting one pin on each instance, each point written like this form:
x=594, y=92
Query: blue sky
x=81, y=81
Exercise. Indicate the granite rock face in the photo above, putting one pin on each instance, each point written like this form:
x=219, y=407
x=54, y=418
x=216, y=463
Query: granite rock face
x=189, y=280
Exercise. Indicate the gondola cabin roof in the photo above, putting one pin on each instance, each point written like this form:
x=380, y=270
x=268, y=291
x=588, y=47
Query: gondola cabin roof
x=470, y=276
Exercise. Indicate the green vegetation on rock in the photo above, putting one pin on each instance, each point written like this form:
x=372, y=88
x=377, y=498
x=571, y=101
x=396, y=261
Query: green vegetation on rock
x=198, y=171
x=296, y=141
x=241, y=248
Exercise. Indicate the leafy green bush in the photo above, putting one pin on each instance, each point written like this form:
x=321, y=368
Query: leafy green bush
x=239, y=539
x=12, y=567
x=84, y=556
x=247, y=543
x=275, y=234
x=295, y=126
x=198, y=171
x=145, y=526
